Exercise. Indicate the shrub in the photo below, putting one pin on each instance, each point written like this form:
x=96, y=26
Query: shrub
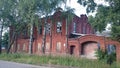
x=104, y=56
x=101, y=55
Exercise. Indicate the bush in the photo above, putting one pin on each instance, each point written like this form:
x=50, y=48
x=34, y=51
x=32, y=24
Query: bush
x=104, y=56
x=101, y=55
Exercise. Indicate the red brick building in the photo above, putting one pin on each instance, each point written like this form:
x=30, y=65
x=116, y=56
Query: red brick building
x=81, y=38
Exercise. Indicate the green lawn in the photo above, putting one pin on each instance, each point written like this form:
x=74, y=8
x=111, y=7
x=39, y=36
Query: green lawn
x=57, y=60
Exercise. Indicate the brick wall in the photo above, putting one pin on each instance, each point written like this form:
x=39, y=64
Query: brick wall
x=54, y=38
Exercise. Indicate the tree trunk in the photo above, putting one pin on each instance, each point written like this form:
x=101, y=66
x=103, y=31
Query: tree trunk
x=44, y=37
x=51, y=38
x=11, y=41
x=67, y=49
x=1, y=30
x=15, y=44
x=14, y=37
x=31, y=39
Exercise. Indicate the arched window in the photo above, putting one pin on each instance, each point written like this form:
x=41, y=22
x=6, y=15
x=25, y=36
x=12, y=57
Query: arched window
x=84, y=29
x=74, y=27
x=59, y=27
x=48, y=26
x=111, y=49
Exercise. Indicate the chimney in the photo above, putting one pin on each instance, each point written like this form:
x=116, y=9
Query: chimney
x=84, y=17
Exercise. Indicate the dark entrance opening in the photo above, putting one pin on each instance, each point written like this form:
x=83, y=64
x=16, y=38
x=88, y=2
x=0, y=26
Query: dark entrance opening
x=111, y=51
x=72, y=48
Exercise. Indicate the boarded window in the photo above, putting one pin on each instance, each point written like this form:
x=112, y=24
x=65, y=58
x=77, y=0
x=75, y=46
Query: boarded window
x=18, y=46
x=58, y=46
x=39, y=46
x=59, y=27
x=47, y=46
x=12, y=47
x=24, y=47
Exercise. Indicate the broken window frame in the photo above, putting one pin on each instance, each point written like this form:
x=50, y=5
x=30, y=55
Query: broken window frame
x=59, y=27
x=48, y=28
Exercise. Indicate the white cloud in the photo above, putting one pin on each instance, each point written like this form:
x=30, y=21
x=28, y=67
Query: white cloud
x=108, y=27
x=79, y=9
x=101, y=2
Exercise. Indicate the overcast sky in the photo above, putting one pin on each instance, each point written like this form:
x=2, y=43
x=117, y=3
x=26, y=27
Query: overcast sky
x=79, y=9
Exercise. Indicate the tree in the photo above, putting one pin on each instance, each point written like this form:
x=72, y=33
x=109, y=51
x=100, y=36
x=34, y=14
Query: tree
x=98, y=22
x=18, y=13
x=11, y=19
x=27, y=10
x=106, y=14
x=90, y=4
x=30, y=8
x=47, y=8
x=5, y=15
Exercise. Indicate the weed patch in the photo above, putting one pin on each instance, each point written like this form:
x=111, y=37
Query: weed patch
x=57, y=60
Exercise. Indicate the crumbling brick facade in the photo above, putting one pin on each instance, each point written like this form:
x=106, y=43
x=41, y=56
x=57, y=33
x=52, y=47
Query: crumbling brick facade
x=81, y=37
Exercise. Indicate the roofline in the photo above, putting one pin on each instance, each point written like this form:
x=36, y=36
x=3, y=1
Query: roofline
x=80, y=34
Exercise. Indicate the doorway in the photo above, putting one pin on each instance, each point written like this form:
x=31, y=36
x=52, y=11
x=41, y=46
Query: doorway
x=72, y=49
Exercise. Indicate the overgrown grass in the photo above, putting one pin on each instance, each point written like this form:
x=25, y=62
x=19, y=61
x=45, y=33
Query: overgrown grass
x=57, y=60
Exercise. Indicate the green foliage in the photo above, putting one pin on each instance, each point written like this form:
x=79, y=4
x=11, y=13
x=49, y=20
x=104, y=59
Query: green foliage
x=111, y=58
x=5, y=40
x=96, y=23
x=105, y=14
x=104, y=56
x=25, y=13
x=101, y=55
x=90, y=4
x=56, y=60
x=116, y=33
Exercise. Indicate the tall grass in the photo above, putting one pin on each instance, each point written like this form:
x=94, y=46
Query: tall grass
x=57, y=60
